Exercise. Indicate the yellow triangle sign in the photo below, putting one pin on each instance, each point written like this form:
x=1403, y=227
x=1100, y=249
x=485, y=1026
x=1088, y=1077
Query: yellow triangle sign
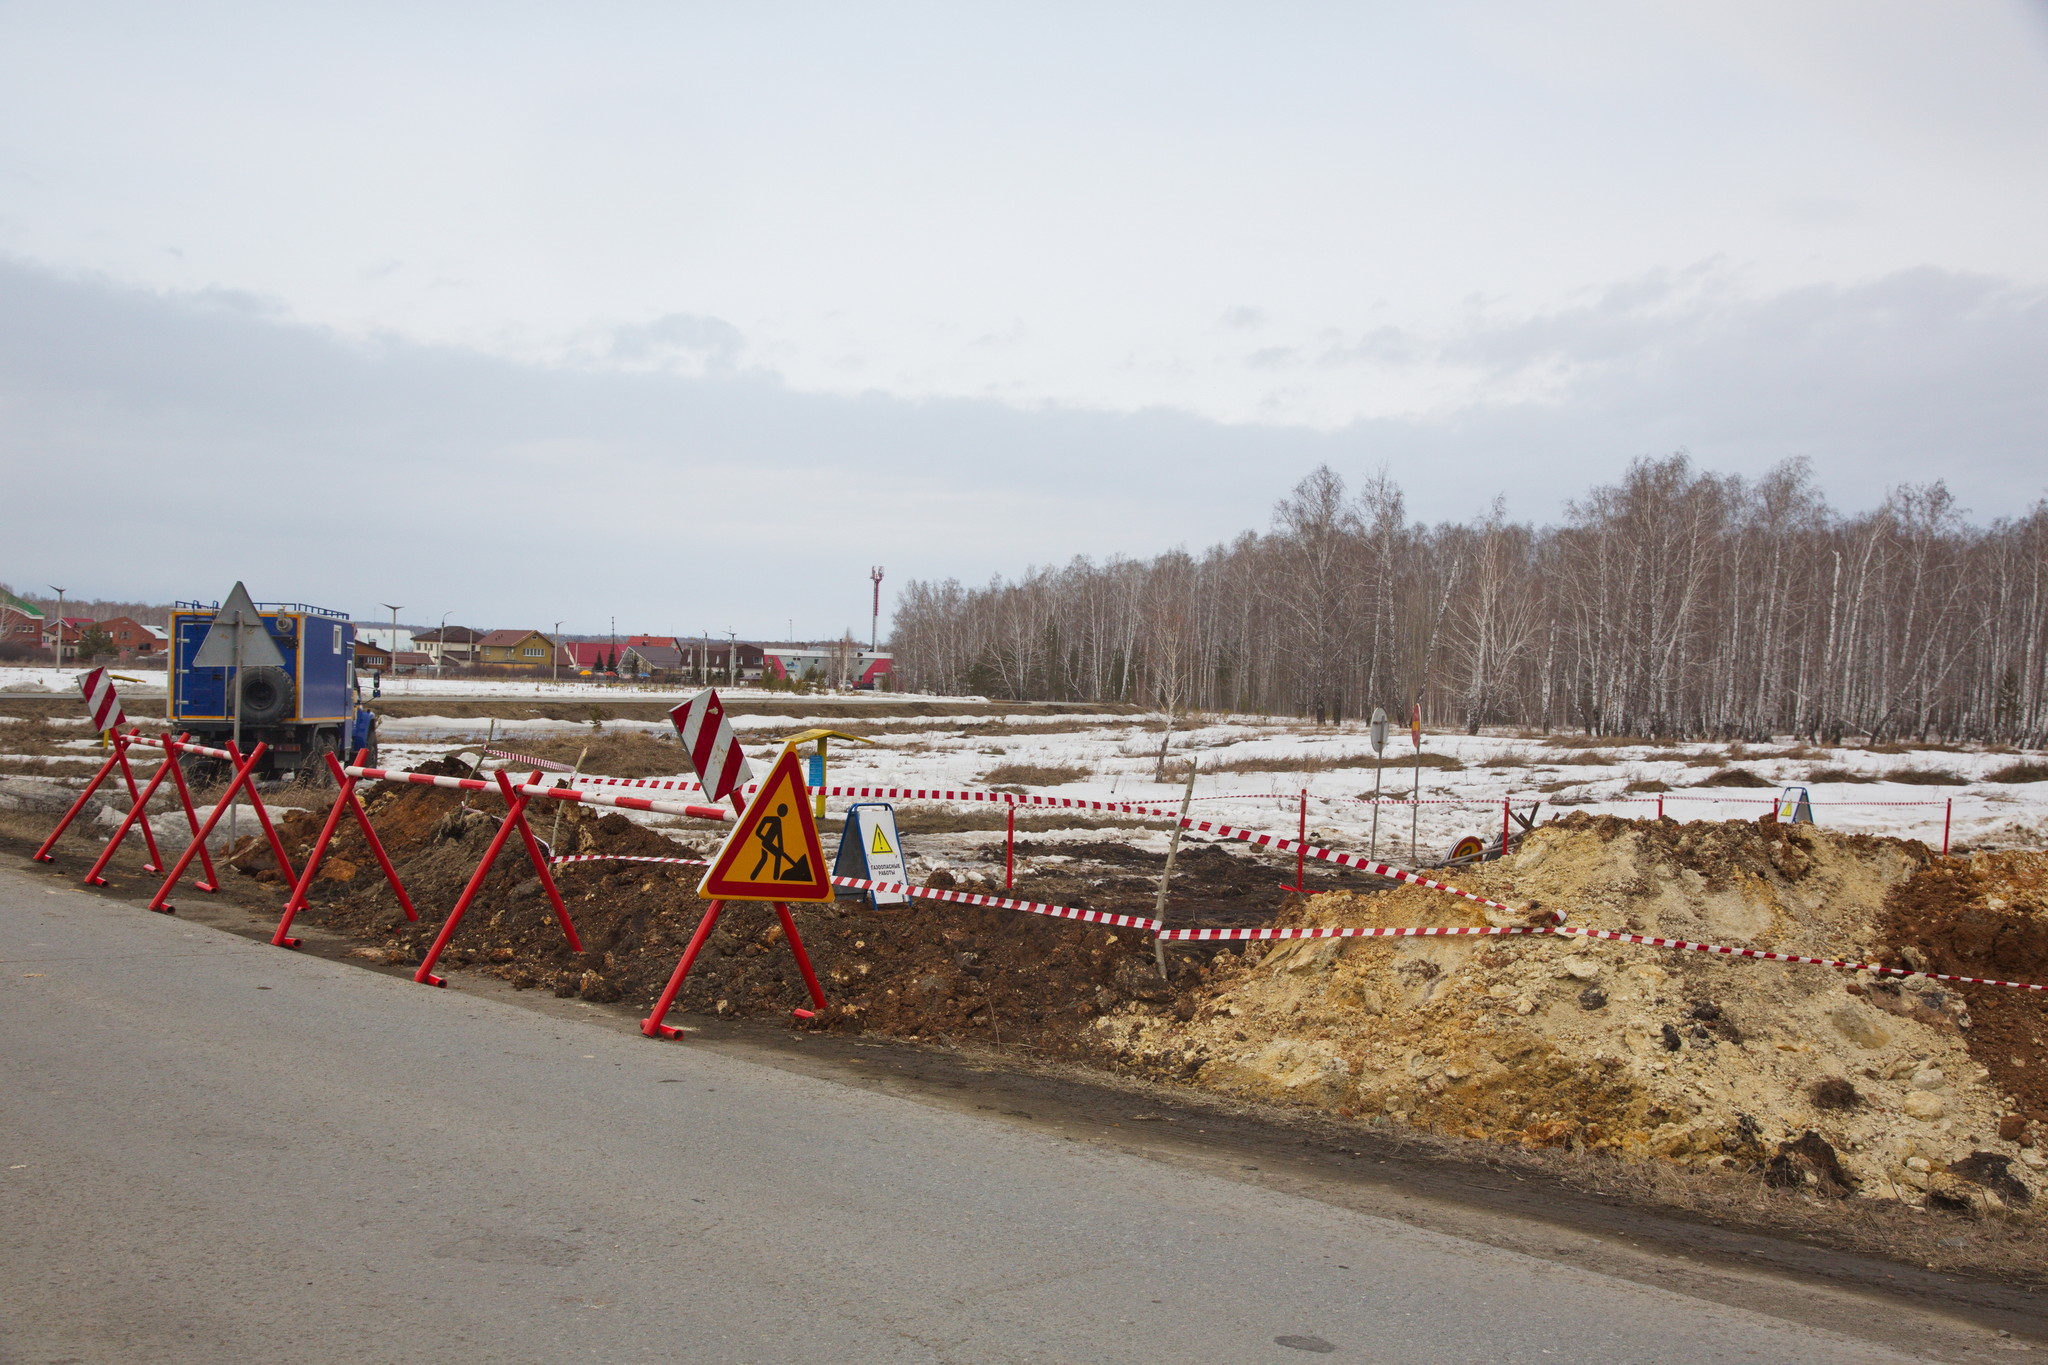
x=881, y=842
x=773, y=853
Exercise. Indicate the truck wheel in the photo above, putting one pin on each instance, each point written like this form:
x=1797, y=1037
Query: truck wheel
x=313, y=761
x=266, y=696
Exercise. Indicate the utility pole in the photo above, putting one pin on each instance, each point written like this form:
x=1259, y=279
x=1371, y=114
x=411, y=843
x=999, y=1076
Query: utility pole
x=60, y=623
x=875, y=626
x=732, y=658
x=555, y=664
x=394, y=636
x=441, y=644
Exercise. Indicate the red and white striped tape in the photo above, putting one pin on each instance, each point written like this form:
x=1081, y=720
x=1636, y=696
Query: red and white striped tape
x=475, y=784
x=528, y=760
x=1378, y=869
x=101, y=701
x=1424, y=931
x=920, y=892
x=707, y=737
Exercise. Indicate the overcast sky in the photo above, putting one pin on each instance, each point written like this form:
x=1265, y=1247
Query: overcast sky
x=691, y=313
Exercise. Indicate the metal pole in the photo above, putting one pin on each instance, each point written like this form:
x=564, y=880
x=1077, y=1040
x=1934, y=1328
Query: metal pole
x=1378, y=769
x=235, y=806
x=1010, y=848
x=1172, y=852
x=60, y=623
x=1504, y=827
x=1415, y=810
x=1947, y=816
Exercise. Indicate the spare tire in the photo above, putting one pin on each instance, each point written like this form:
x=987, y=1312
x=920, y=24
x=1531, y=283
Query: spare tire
x=266, y=695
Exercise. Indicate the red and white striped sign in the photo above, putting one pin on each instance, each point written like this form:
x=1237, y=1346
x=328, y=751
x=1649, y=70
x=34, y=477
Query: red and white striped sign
x=100, y=701
x=708, y=739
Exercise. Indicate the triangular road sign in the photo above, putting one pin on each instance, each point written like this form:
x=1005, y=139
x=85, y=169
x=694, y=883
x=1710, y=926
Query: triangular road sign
x=881, y=844
x=238, y=616
x=773, y=853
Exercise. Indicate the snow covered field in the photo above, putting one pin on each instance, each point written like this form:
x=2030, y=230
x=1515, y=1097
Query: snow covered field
x=1252, y=770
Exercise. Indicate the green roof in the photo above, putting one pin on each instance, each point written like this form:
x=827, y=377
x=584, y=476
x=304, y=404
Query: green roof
x=13, y=603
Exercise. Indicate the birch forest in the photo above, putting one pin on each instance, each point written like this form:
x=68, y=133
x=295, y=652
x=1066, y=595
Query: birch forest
x=1676, y=603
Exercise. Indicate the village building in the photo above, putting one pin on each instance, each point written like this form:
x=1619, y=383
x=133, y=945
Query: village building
x=515, y=649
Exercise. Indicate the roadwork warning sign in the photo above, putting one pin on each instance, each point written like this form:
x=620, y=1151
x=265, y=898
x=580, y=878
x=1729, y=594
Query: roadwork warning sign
x=871, y=849
x=773, y=852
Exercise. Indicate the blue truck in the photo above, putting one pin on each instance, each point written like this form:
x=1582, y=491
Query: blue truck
x=303, y=711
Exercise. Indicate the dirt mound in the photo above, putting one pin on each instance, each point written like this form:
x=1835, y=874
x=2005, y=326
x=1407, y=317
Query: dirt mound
x=1695, y=1058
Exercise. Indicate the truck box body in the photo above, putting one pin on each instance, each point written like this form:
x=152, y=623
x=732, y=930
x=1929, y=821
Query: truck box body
x=319, y=659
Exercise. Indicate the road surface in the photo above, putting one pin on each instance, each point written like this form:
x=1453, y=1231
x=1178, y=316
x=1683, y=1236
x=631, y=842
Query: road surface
x=215, y=1150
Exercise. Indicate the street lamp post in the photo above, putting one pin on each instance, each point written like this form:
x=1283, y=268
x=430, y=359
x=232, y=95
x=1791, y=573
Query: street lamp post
x=555, y=671
x=393, y=651
x=60, y=623
x=441, y=645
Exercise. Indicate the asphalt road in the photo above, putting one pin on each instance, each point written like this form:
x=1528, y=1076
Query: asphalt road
x=212, y=1150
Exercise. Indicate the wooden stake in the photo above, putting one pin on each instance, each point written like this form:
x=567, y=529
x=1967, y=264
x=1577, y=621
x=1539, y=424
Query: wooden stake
x=555, y=830
x=1172, y=852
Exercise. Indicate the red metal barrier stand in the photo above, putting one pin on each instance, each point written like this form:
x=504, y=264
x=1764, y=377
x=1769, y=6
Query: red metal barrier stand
x=1301, y=853
x=117, y=757
x=345, y=799
x=376, y=845
x=515, y=816
x=139, y=811
x=244, y=767
x=191, y=811
x=284, y=864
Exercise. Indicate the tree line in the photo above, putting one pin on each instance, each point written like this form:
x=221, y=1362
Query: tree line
x=1674, y=603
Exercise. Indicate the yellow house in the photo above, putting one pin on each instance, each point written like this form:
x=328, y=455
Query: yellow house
x=515, y=649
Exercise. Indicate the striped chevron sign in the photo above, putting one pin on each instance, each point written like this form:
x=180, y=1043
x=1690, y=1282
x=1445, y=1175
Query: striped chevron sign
x=714, y=753
x=101, y=701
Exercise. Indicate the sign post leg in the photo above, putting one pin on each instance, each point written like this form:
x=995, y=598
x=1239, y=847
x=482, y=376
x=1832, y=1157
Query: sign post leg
x=652, y=1025
x=803, y=959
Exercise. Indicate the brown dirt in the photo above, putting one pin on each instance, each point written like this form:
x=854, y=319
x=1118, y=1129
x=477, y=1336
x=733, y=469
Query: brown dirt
x=1987, y=916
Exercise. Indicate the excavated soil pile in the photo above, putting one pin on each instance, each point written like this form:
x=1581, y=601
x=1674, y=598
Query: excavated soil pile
x=1839, y=1083
x=989, y=976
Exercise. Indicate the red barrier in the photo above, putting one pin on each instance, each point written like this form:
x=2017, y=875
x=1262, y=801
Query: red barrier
x=117, y=757
x=347, y=798
x=515, y=818
x=139, y=812
x=245, y=781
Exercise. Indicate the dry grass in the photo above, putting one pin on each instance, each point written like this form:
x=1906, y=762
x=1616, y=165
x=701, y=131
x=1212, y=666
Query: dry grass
x=1607, y=742
x=1927, y=777
x=1591, y=758
x=1737, y=777
x=2026, y=770
x=1648, y=785
x=613, y=753
x=1034, y=775
x=1838, y=775
x=1177, y=768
